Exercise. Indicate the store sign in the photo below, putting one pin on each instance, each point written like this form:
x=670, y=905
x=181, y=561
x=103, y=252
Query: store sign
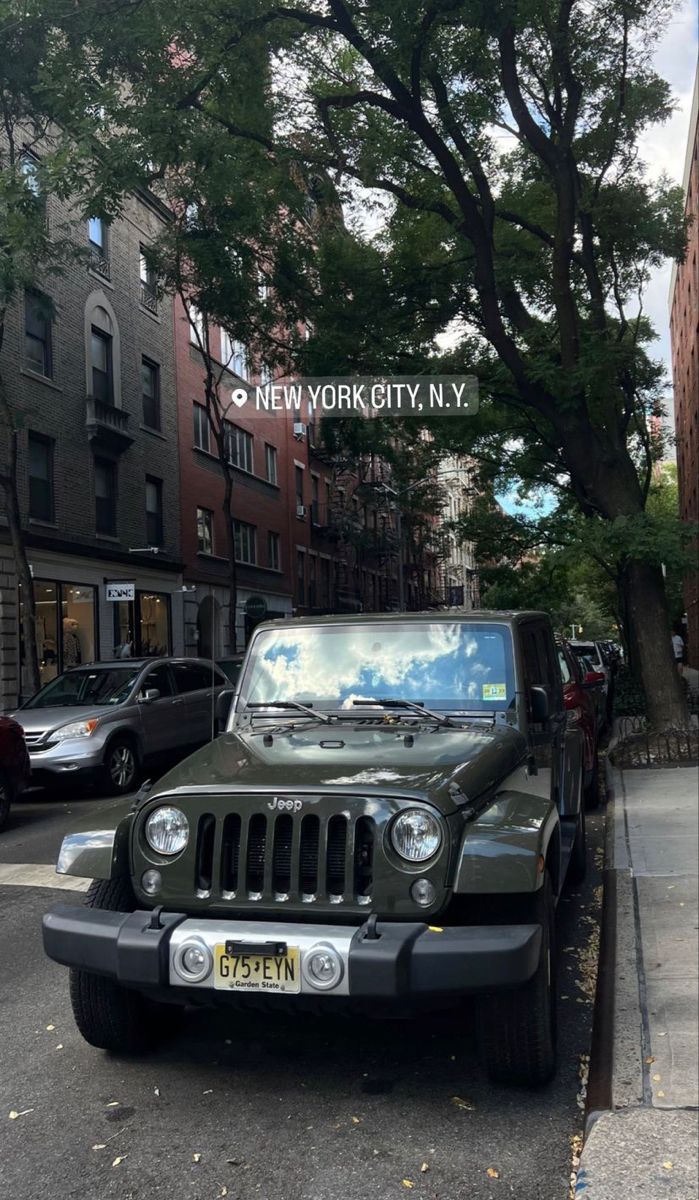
x=120, y=591
x=256, y=607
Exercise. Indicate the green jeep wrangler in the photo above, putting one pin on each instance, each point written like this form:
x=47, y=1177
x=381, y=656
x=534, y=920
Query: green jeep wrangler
x=386, y=822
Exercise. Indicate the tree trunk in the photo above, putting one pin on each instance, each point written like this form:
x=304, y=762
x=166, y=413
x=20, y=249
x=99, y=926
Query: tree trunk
x=232, y=570
x=650, y=638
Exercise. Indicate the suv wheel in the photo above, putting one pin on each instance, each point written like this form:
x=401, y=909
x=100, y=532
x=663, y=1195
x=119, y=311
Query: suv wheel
x=121, y=766
x=517, y=1029
x=108, y=1015
x=6, y=798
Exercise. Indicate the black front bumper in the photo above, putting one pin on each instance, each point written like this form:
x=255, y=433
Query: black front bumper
x=385, y=960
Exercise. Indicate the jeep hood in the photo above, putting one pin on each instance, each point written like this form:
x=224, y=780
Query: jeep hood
x=447, y=767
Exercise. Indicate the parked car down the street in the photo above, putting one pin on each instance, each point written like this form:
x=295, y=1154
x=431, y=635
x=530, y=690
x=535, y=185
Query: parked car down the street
x=14, y=765
x=594, y=661
x=105, y=721
x=230, y=665
x=582, y=713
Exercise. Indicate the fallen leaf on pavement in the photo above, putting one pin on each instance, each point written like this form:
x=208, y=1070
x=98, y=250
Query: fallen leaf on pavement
x=156, y=1091
x=113, y=1104
x=100, y=1146
x=119, y=1159
x=224, y=1191
x=196, y=1158
x=668, y=1165
x=459, y=1103
x=657, y=1078
x=408, y=1183
x=356, y=1120
x=59, y=1046
x=662, y=1094
x=14, y=1114
x=492, y=1173
x=50, y=1028
x=650, y=1059
x=208, y=1092
x=425, y=1167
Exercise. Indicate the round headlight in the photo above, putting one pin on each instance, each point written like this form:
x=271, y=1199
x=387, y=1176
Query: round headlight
x=167, y=830
x=416, y=835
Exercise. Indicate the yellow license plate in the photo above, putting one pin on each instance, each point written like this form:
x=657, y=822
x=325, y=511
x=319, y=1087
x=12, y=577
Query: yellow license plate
x=257, y=972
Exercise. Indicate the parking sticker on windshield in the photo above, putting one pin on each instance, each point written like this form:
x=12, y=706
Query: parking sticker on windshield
x=495, y=691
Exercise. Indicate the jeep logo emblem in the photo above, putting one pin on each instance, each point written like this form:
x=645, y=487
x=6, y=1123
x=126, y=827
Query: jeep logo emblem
x=285, y=805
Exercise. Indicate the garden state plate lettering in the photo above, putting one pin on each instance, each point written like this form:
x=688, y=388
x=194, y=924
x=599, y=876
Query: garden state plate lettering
x=257, y=972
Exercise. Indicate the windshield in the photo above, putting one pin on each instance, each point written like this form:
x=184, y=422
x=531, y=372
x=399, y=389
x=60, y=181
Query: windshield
x=86, y=687
x=459, y=665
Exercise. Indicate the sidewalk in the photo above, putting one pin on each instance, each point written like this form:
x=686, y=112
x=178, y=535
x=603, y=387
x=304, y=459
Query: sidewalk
x=647, y=1144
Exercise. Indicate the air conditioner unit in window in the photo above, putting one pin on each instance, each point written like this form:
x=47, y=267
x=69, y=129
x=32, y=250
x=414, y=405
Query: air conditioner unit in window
x=300, y=510
x=299, y=430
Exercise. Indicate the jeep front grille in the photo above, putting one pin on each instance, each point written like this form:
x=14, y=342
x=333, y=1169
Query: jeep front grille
x=285, y=857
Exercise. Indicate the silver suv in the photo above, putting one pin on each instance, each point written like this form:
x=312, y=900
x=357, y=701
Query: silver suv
x=106, y=720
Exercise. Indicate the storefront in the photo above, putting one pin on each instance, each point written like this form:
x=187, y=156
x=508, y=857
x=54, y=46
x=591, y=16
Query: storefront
x=206, y=609
x=79, y=621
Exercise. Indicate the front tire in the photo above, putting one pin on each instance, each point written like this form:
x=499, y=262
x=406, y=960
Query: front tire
x=517, y=1029
x=108, y=1015
x=121, y=767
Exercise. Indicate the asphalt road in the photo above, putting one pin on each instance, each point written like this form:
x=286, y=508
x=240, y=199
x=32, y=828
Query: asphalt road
x=258, y=1107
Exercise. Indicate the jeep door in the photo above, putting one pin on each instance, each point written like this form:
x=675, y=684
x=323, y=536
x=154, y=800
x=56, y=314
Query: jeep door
x=555, y=751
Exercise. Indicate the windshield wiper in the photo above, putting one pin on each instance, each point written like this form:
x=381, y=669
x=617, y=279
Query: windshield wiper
x=294, y=706
x=414, y=707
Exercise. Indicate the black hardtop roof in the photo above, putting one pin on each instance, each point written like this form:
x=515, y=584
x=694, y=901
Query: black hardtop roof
x=110, y=663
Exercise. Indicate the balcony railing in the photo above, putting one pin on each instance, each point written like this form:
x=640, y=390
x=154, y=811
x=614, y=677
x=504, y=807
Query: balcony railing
x=107, y=426
x=100, y=264
x=149, y=299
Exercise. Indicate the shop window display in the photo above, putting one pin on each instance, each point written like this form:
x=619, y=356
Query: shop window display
x=142, y=626
x=65, y=626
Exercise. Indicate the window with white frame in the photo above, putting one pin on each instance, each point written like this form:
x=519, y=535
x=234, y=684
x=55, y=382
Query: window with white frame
x=234, y=355
x=205, y=531
x=202, y=428
x=244, y=542
x=239, y=447
x=196, y=326
x=274, y=550
x=271, y=463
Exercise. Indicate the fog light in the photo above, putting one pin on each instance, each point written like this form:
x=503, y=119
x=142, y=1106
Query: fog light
x=193, y=961
x=151, y=882
x=322, y=967
x=423, y=892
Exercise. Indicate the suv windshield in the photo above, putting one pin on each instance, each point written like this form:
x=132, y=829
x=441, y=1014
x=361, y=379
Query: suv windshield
x=86, y=687
x=455, y=665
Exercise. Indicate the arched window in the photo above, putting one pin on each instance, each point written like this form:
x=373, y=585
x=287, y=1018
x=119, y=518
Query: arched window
x=102, y=351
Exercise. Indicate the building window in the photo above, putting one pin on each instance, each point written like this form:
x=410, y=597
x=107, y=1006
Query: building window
x=154, y=511
x=271, y=462
x=150, y=389
x=97, y=236
x=312, y=568
x=105, y=497
x=101, y=362
x=29, y=166
x=298, y=484
x=148, y=280
x=239, y=447
x=274, y=551
x=40, y=477
x=197, y=331
x=234, y=355
x=37, y=334
x=300, y=577
x=205, y=531
x=315, y=499
x=202, y=430
x=244, y=542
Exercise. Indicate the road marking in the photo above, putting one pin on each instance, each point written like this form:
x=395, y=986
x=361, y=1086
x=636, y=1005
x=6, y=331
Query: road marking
x=40, y=875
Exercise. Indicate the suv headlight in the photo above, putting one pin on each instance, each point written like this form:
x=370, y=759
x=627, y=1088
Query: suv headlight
x=416, y=835
x=167, y=830
x=76, y=729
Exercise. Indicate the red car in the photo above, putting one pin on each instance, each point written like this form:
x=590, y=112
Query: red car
x=581, y=710
x=14, y=765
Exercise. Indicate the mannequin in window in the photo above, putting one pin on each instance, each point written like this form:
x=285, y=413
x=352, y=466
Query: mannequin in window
x=71, y=642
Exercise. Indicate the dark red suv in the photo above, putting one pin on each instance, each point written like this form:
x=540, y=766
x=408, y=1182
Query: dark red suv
x=581, y=709
x=14, y=765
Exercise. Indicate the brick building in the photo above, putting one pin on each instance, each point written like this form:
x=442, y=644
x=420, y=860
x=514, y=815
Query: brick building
x=93, y=388
x=684, y=332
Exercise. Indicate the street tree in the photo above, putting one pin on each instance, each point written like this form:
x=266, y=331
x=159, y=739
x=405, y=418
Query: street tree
x=503, y=134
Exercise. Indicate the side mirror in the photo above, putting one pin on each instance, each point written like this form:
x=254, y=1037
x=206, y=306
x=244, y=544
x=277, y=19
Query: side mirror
x=539, y=704
x=592, y=678
x=223, y=708
x=149, y=696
